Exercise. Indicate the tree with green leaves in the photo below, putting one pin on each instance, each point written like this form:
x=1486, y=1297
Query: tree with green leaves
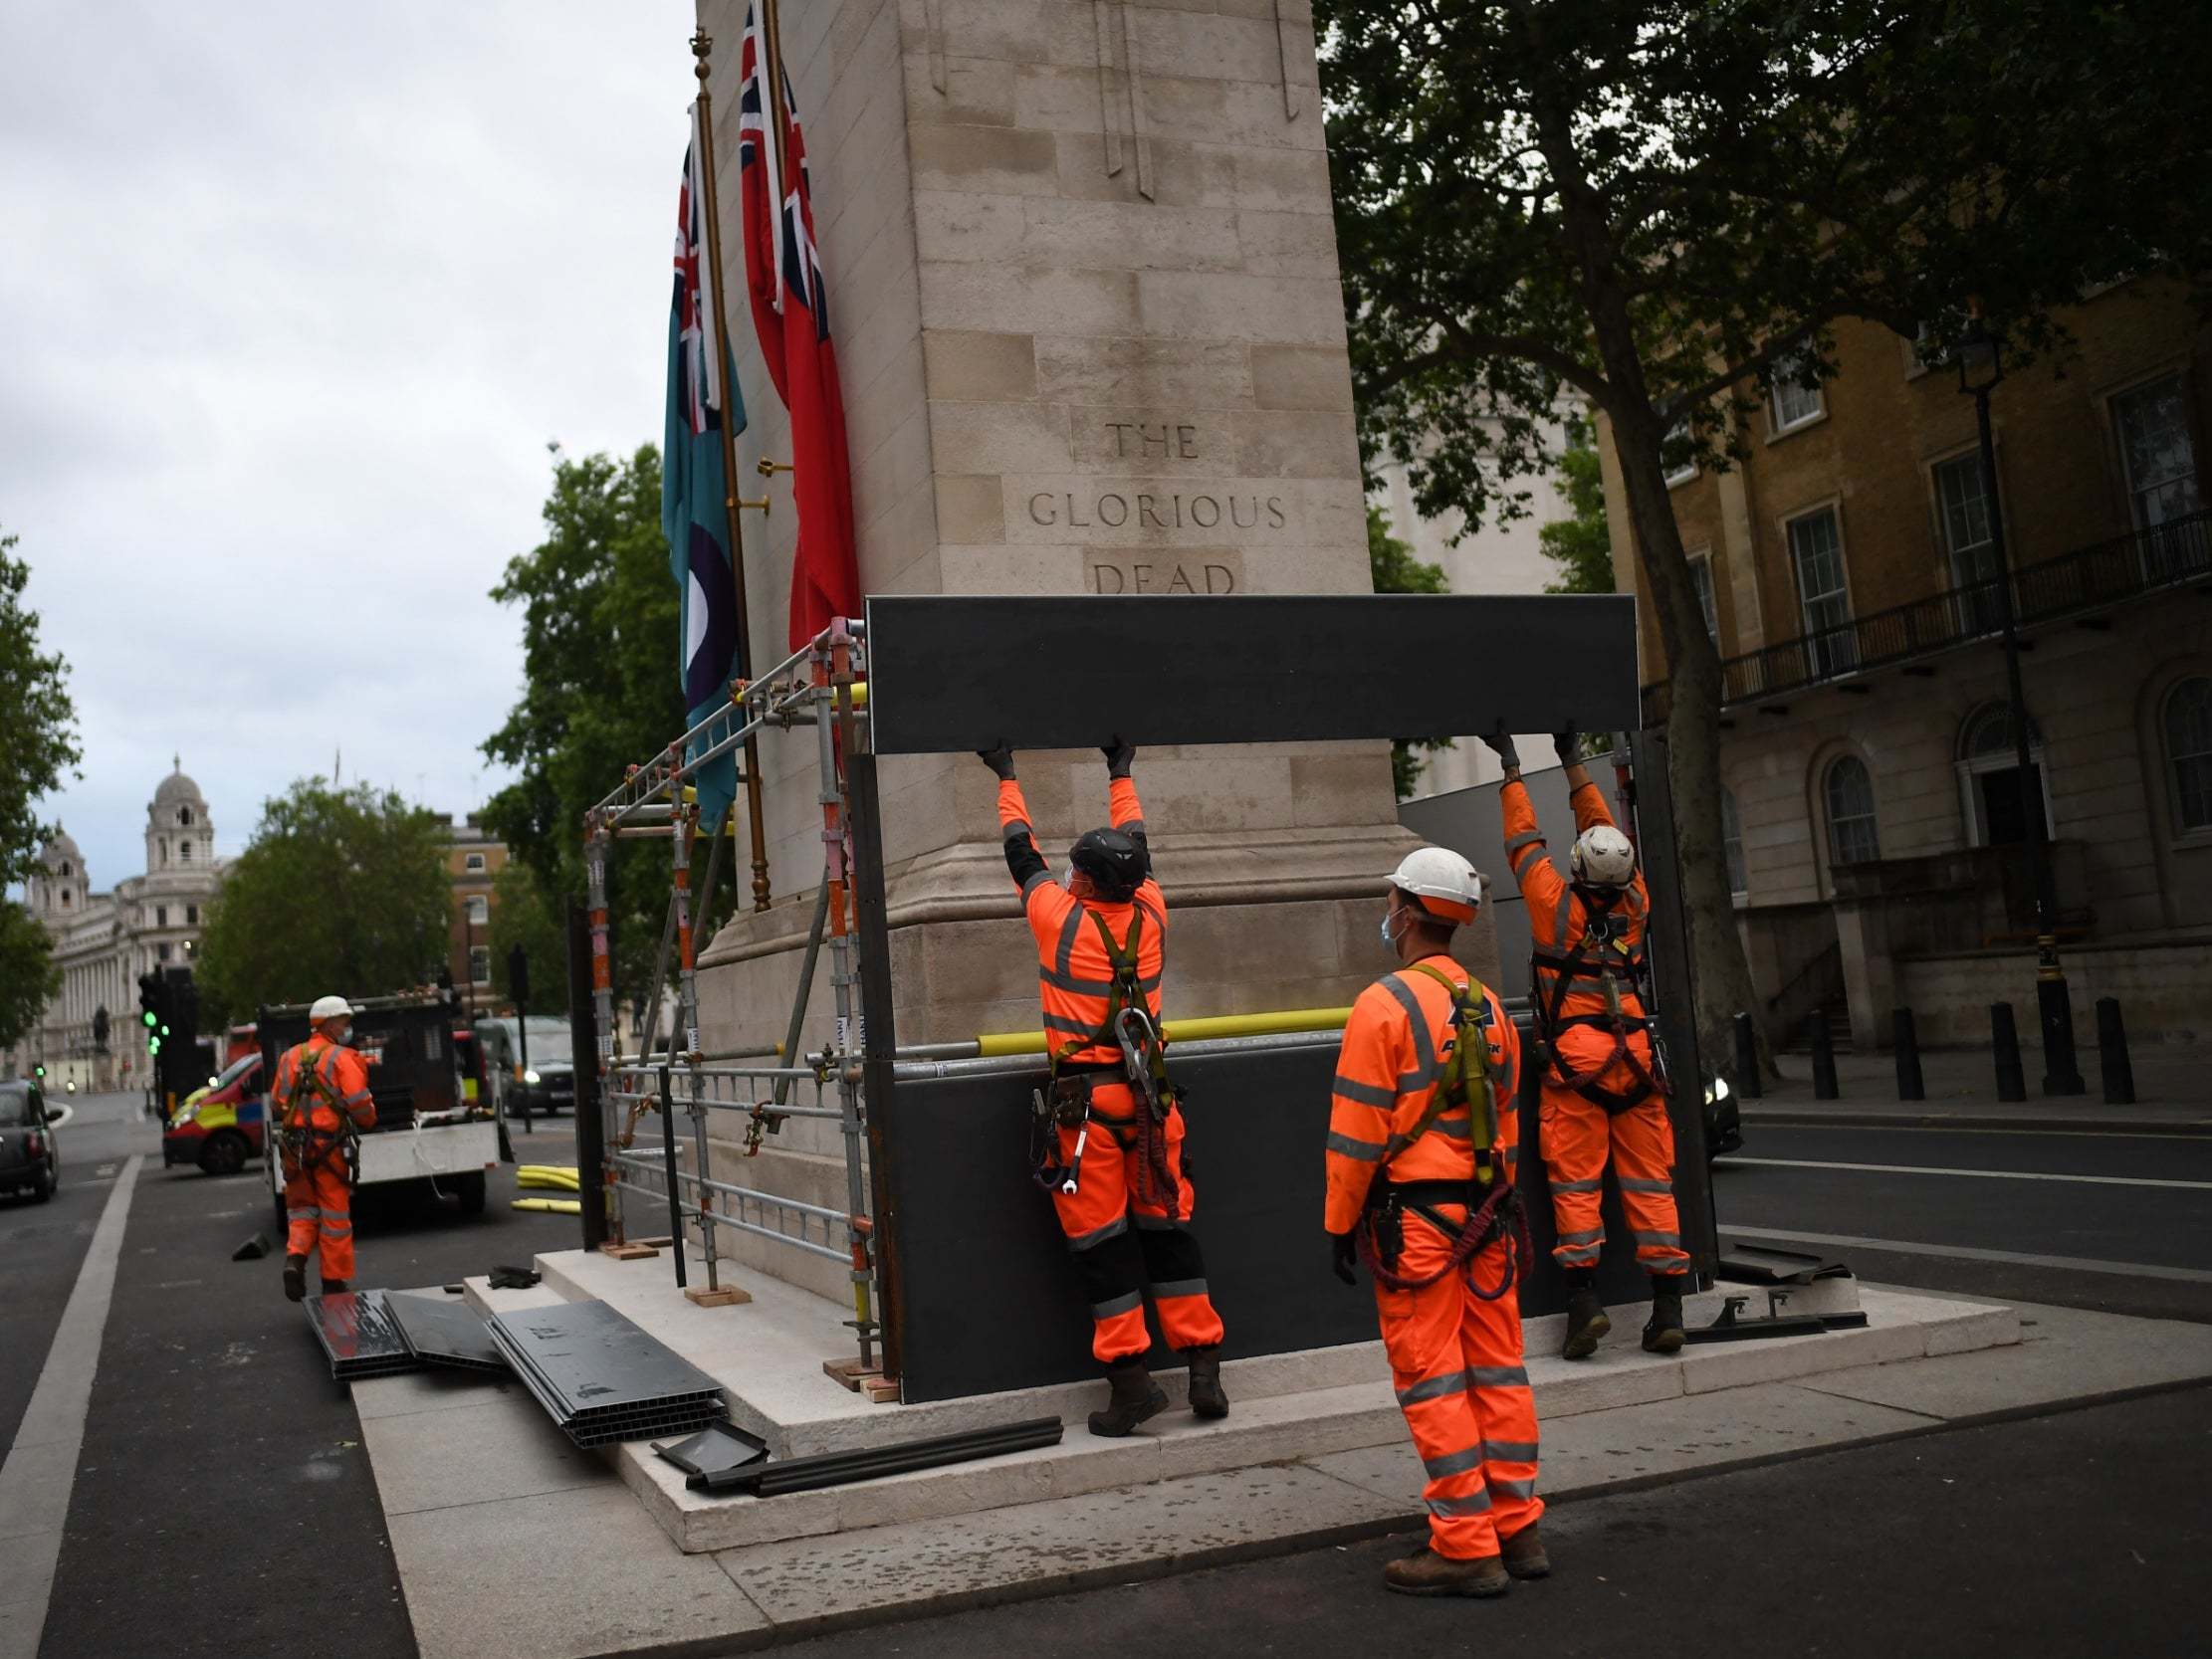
x=1580, y=544
x=521, y=916
x=29, y=975
x=600, y=625
x=1394, y=569
x=340, y=891
x=38, y=722
x=1663, y=207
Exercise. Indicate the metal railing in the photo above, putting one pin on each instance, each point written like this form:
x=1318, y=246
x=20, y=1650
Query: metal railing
x=2177, y=553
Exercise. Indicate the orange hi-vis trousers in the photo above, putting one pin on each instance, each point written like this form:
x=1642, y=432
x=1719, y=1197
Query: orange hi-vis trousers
x=1458, y=1365
x=1122, y=1244
x=319, y=1217
x=1578, y=1136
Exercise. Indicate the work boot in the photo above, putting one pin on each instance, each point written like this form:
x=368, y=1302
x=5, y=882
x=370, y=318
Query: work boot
x=1136, y=1396
x=1428, y=1573
x=335, y=1287
x=1523, y=1554
x=1207, y=1397
x=295, y=1278
x=1585, y=1323
x=1663, y=1332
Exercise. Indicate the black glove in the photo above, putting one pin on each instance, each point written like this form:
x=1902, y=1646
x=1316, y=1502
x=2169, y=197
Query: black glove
x=1344, y=1254
x=1502, y=746
x=1569, y=746
x=1120, y=757
x=1000, y=760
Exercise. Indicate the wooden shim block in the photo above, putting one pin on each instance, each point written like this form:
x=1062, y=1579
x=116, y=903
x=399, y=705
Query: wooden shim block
x=883, y=1391
x=726, y=1297
x=629, y=1252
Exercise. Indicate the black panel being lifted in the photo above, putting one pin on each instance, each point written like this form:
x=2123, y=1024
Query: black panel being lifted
x=601, y=1377
x=359, y=1338
x=951, y=672
x=445, y=1330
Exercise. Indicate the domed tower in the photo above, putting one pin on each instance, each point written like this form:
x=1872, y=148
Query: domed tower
x=59, y=886
x=179, y=834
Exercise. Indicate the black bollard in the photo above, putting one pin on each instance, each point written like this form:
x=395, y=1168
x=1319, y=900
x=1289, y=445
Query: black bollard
x=1824, y=1057
x=1748, y=1081
x=2112, y=1054
x=1910, y=1086
x=2012, y=1082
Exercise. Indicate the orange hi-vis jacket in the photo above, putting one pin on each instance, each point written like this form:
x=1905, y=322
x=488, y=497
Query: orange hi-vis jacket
x=1075, y=974
x=344, y=1075
x=1396, y=1045
x=1584, y=1040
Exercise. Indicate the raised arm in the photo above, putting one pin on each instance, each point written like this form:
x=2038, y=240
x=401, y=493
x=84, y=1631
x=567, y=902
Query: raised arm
x=1540, y=883
x=1024, y=862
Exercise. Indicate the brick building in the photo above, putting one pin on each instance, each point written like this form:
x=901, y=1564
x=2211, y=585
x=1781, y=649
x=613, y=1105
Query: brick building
x=473, y=860
x=1876, y=810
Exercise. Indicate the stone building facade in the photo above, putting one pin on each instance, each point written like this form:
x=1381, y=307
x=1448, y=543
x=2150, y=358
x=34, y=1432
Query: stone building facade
x=103, y=942
x=474, y=857
x=1877, y=808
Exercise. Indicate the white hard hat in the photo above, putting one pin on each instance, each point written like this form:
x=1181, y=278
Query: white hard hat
x=1447, y=885
x=1602, y=856
x=329, y=1008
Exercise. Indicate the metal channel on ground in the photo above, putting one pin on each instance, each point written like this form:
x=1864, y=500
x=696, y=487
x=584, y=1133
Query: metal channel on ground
x=358, y=1335
x=444, y=1331
x=601, y=1377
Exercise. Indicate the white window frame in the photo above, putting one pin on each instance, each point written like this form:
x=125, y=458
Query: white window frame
x=2135, y=492
x=1682, y=475
x=1778, y=426
x=2181, y=829
x=1709, y=600
x=1731, y=835
x=478, y=908
x=1976, y=623
x=1832, y=510
x=483, y=951
x=1872, y=814
x=473, y=863
x=1969, y=769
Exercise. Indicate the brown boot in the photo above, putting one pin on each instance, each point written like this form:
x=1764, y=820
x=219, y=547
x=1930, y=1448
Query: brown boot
x=1136, y=1396
x=1587, y=1321
x=295, y=1278
x=1523, y=1554
x=1207, y=1397
x=335, y=1287
x=1428, y=1573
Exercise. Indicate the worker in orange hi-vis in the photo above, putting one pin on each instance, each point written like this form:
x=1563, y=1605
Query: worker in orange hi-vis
x=1107, y=1138
x=317, y=1104
x=1604, y=1090
x=1422, y=1154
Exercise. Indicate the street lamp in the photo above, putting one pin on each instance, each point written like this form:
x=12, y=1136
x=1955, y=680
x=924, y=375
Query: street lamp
x=1980, y=367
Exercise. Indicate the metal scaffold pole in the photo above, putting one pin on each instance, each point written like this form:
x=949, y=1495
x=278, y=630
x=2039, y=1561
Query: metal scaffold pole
x=602, y=999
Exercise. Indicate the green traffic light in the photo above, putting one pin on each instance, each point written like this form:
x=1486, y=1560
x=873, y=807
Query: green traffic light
x=151, y=1020
x=42, y=1071
x=164, y=1031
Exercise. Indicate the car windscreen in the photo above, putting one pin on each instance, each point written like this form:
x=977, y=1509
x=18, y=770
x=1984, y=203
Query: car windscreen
x=16, y=1109
x=551, y=1043
x=236, y=1069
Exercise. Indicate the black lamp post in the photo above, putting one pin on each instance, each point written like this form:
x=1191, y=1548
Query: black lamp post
x=1980, y=367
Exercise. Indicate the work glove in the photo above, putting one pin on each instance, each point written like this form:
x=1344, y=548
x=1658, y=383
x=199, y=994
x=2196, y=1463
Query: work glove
x=1568, y=744
x=1120, y=757
x=1344, y=1254
x=1000, y=760
x=1502, y=746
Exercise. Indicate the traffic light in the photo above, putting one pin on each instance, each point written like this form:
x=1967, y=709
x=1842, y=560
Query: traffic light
x=40, y=1070
x=153, y=1000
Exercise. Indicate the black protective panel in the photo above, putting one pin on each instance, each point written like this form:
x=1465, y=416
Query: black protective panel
x=949, y=673
x=445, y=1330
x=992, y=1301
x=601, y=1377
x=358, y=1335
x=717, y=1449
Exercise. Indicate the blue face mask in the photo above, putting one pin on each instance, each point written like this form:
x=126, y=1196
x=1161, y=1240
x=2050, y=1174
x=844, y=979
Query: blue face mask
x=1390, y=937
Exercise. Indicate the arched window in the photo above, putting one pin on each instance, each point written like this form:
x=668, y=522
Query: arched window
x=2188, y=733
x=1731, y=842
x=1849, y=793
x=65, y=867
x=185, y=815
x=1998, y=811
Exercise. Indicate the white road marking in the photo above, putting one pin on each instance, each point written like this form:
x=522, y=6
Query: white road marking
x=1969, y=1174
x=40, y=1470
x=1961, y=1252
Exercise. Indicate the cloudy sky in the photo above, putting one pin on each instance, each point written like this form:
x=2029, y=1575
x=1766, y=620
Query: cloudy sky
x=291, y=299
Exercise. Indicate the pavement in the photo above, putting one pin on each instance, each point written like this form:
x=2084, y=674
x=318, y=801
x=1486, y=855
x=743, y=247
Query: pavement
x=2172, y=1095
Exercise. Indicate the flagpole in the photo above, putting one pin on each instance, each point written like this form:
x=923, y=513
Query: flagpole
x=772, y=27
x=701, y=46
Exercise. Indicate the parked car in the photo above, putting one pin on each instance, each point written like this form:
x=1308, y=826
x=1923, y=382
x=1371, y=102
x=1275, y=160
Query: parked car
x=223, y=1124
x=29, y=1160
x=547, y=1082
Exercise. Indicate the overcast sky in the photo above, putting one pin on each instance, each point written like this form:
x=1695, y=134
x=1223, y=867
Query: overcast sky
x=291, y=298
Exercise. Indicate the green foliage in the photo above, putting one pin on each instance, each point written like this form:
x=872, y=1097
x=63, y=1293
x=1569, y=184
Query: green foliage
x=1580, y=544
x=340, y=889
x=38, y=723
x=520, y=915
x=1391, y=565
x=29, y=976
x=601, y=621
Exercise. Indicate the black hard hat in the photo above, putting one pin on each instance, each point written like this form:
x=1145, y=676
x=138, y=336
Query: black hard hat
x=1116, y=865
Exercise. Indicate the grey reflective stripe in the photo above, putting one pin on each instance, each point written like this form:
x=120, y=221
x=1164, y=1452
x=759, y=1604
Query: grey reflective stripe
x=335, y=1229
x=1113, y=1229
x=1642, y=1183
x=299, y=1213
x=1474, y=1502
x=1366, y=1093
x=1532, y=838
x=1017, y=830
x=1126, y=1303
x=1157, y=1223
x=1498, y=1376
x=1038, y=879
x=1060, y=1022
x=1673, y=1240
x=1580, y=1256
x=1424, y=1048
x=1434, y=1389
x=1420, y=1079
x=1589, y=1185
x=1559, y=926
x=1135, y=826
x=1591, y=1235
x=1066, y=945
x=1452, y=1463
x=356, y=1097
x=1177, y=1287
x=1509, y=1451
x=1463, y=1130
x=1091, y=987
x=1511, y=1488
x=1366, y=1151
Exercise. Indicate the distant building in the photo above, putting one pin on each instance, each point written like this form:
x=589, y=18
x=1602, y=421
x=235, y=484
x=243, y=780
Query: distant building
x=103, y=942
x=473, y=860
x=1875, y=808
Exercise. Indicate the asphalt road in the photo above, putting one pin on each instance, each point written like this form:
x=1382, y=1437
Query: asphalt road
x=223, y=1505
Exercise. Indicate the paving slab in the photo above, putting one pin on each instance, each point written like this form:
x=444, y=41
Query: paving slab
x=472, y=1454
x=561, y=1576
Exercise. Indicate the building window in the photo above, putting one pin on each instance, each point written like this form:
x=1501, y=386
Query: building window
x=160, y=916
x=1790, y=405
x=185, y=816
x=1732, y=843
x=2000, y=810
x=473, y=863
x=65, y=898
x=161, y=951
x=480, y=965
x=184, y=852
x=1817, y=555
x=65, y=867
x=1701, y=578
x=2188, y=730
x=2156, y=450
x=1678, y=454
x=479, y=909
x=1968, y=538
x=164, y=852
x=191, y=916
x=1850, y=812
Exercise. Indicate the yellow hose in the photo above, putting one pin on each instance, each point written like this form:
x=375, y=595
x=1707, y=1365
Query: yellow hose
x=558, y=1206
x=1188, y=1030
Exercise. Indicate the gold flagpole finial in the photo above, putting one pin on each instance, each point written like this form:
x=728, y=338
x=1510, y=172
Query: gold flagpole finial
x=702, y=44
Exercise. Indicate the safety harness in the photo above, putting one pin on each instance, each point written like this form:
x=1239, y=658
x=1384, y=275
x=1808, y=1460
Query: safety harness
x=1603, y=957
x=1128, y=1026
x=1493, y=1204
x=301, y=1146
